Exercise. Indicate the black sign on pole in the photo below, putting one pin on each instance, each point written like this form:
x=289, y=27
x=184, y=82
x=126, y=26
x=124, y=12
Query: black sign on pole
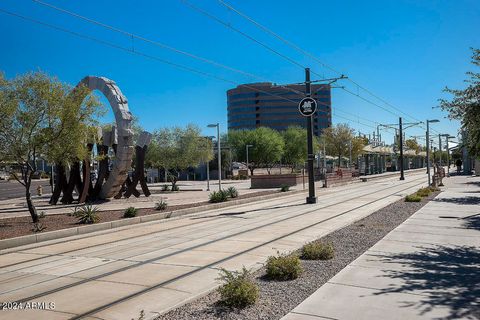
x=307, y=106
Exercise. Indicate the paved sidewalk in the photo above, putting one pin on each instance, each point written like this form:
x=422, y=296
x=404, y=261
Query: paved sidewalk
x=427, y=268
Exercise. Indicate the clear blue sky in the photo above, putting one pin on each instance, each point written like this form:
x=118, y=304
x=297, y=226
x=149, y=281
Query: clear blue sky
x=403, y=51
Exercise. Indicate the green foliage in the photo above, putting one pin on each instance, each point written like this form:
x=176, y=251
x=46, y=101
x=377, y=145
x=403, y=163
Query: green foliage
x=337, y=141
x=284, y=188
x=232, y=192
x=40, y=116
x=464, y=106
x=87, y=214
x=412, y=144
x=161, y=205
x=130, y=212
x=165, y=187
x=423, y=192
x=218, y=196
x=295, y=146
x=413, y=198
x=317, y=251
x=267, y=146
x=283, y=267
x=175, y=188
x=238, y=289
x=176, y=149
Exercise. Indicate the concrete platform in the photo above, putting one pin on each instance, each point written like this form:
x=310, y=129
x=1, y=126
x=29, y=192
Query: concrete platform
x=158, y=265
x=427, y=268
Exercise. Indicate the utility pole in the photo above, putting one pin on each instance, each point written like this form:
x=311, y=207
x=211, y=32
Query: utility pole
x=402, y=176
x=440, y=148
x=310, y=156
x=428, y=153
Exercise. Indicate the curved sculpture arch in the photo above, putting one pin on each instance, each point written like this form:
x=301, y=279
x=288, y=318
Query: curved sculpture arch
x=124, y=133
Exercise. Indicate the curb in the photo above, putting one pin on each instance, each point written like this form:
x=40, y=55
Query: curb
x=57, y=234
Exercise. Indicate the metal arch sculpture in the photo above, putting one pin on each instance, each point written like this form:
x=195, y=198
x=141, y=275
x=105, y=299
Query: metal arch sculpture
x=124, y=133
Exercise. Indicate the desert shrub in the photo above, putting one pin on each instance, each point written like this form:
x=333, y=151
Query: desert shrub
x=232, y=192
x=130, y=212
x=413, y=198
x=424, y=192
x=218, y=196
x=87, y=214
x=283, y=267
x=434, y=189
x=238, y=289
x=161, y=205
x=175, y=188
x=284, y=188
x=165, y=187
x=317, y=251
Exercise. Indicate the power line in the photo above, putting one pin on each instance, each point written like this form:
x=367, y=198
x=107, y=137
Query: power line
x=312, y=56
x=139, y=53
x=156, y=43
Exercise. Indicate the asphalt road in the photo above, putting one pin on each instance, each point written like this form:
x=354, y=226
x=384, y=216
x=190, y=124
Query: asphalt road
x=13, y=189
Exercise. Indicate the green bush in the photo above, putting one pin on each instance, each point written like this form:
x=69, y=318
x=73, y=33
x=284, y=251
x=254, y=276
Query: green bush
x=232, y=192
x=423, y=192
x=317, y=251
x=130, y=212
x=165, y=187
x=413, y=198
x=87, y=214
x=284, y=188
x=175, y=188
x=283, y=267
x=161, y=205
x=434, y=189
x=238, y=289
x=218, y=196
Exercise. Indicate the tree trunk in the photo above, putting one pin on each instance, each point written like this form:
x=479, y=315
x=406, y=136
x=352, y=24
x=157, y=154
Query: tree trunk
x=339, y=161
x=31, y=207
x=251, y=171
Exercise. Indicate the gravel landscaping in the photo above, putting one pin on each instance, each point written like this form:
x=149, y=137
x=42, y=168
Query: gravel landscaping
x=278, y=298
x=21, y=226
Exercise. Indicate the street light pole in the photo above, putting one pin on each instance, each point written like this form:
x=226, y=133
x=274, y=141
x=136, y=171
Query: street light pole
x=219, y=154
x=428, y=148
x=400, y=128
x=246, y=147
x=440, y=149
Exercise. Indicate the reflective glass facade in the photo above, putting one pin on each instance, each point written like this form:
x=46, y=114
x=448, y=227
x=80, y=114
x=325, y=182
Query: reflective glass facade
x=266, y=105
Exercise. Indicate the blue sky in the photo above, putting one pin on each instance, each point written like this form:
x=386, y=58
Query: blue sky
x=406, y=52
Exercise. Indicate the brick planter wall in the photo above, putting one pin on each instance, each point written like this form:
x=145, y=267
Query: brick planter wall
x=275, y=180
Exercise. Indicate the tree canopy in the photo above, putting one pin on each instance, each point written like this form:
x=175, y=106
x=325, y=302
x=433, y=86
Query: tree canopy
x=267, y=146
x=176, y=149
x=465, y=106
x=43, y=118
x=338, y=139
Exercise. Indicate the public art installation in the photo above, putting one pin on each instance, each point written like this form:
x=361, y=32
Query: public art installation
x=112, y=179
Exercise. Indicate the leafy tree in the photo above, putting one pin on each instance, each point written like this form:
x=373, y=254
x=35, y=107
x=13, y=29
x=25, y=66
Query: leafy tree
x=177, y=149
x=412, y=144
x=42, y=117
x=337, y=141
x=295, y=152
x=267, y=147
x=465, y=106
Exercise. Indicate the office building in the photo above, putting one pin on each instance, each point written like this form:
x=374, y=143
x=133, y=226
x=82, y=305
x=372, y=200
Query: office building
x=266, y=105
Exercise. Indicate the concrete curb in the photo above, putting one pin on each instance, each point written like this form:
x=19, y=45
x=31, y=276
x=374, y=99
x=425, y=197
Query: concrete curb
x=57, y=234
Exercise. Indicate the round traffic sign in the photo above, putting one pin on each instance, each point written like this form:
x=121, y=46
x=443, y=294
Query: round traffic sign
x=307, y=106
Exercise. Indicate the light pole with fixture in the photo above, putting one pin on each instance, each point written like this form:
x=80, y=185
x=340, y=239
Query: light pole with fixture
x=428, y=147
x=246, y=147
x=217, y=125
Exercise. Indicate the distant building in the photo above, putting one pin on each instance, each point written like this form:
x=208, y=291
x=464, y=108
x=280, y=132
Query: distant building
x=264, y=105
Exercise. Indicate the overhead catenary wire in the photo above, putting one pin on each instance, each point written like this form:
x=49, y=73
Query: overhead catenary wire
x=191, y=55
x=310, y=55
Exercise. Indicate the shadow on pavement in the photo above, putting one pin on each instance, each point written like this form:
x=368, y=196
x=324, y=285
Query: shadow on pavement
x=470, y=200
x=472, y=222
x=248, y=211
x=448, y=276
